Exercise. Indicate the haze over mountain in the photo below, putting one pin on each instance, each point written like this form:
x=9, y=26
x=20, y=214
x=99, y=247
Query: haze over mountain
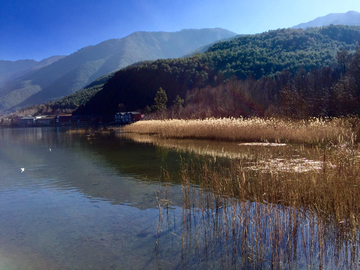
x=79, y=69
x=348, y=18
x=10, y=70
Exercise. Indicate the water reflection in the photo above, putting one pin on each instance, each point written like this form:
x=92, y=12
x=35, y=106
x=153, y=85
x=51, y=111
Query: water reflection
x=97, y=202
x=287, y=207
x=81, y=206
x=116, y=170
x=271, y=157
x=251, y=235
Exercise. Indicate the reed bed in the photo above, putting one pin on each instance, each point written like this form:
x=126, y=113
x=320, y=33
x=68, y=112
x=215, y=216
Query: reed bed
x=238, y=217
x=311, y=131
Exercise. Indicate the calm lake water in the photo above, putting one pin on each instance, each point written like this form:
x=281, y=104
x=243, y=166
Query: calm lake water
x=85, y=202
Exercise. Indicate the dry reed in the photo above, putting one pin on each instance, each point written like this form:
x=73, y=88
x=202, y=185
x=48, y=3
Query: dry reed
x=312, y=131
x=91, y=131
x=240, y=217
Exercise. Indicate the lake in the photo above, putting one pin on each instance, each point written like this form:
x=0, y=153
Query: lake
x=118, y=201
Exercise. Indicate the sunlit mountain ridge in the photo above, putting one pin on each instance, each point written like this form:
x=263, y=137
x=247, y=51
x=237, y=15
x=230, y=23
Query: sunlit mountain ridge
x=348, y=18
x=79, y=69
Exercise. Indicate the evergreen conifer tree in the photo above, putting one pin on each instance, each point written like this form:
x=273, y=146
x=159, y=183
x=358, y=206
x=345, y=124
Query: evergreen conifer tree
x=160, y=100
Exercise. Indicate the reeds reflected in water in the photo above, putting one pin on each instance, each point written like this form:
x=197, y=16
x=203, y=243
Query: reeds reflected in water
x=245, y=215
x=263, y=206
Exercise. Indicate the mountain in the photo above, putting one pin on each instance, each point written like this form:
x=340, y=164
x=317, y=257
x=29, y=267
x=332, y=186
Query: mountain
x=80, y=97
x=254, y=56
x=348, y=18
x=203, y=49
x=10, y=70
x=79, y=69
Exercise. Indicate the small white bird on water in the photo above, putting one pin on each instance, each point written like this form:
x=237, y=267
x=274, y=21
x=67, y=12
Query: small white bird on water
x=49, y=149
x=22, y=170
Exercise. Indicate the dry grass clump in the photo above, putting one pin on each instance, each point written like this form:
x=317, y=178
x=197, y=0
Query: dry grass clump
x=90, y=131
x=250, y=130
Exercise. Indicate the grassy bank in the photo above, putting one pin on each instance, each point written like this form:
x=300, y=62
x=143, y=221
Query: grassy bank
x=313, y=131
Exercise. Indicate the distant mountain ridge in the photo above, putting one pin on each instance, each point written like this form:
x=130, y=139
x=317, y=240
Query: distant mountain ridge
x=10, y=70
x=79, y=69
x=348, y=18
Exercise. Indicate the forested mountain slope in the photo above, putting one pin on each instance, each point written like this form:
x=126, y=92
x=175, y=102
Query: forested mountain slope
x=254, y=56
x=79, y=69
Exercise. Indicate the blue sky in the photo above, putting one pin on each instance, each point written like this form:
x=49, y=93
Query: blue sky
x=36, y=29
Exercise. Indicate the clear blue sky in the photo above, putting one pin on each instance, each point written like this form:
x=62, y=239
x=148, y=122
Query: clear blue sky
x=36, y=29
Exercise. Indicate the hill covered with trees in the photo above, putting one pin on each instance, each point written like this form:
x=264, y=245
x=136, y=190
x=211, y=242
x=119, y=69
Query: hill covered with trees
x=81, y=68
x=263, y=70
